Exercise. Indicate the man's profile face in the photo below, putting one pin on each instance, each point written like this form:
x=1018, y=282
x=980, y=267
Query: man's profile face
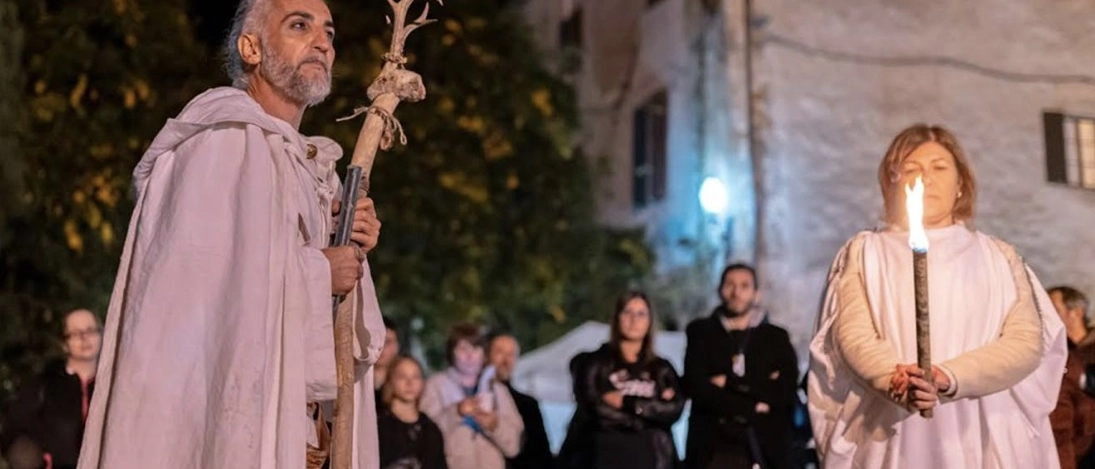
x=503, y=355
x=390, y=350
x=298, y=49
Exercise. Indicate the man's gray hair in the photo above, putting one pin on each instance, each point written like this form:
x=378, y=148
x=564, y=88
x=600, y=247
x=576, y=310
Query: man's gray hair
x=249, y=18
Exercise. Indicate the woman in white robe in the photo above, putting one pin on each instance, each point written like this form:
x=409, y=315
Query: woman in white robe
x=998, y=349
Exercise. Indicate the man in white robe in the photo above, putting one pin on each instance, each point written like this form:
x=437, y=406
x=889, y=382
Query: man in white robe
x=219, y=332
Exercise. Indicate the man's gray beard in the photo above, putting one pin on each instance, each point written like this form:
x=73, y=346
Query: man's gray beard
x=289, y=80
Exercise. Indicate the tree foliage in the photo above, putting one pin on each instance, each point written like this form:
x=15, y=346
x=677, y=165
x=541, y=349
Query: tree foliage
x=97, y=78
x=487, y=212
x=11, y=47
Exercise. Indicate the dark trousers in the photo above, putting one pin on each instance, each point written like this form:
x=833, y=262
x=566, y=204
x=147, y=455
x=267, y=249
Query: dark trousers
x=731, y=458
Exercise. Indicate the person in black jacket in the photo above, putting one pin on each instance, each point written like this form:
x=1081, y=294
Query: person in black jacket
x=502, y=353
x=741, y=373
x=47, y=416
x=635, y=396
x=408, y=438
x=577, y=451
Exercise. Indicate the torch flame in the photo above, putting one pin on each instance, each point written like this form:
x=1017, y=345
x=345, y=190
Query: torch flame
x=914, y=206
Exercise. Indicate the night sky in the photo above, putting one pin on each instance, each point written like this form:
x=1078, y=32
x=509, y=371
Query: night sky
x=211, y=18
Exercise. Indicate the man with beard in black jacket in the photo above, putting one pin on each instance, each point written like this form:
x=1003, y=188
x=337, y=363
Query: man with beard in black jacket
x=741, y=373
x=502, y=352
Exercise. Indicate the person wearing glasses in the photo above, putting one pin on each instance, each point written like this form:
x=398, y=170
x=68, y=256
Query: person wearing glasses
x=45, y=423
x=633, y=394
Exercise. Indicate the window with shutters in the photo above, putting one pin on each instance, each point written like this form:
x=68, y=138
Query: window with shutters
x=651, y=131
x=1070, y=149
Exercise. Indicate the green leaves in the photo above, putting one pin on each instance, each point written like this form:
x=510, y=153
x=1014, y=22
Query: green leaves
x=86, y=91
x=487, y=212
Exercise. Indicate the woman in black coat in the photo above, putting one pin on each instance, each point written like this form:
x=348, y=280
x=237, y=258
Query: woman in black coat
x=634, y=396
x=45, y=424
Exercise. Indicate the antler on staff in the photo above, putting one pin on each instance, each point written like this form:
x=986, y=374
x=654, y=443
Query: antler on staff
x=402, y=29
x=393, y=85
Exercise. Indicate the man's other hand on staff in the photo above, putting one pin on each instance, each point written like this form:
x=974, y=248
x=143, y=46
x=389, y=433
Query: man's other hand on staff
x=366, y=231
x=346, y=267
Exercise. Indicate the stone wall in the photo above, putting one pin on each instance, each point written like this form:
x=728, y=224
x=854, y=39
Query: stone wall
x=841, y=77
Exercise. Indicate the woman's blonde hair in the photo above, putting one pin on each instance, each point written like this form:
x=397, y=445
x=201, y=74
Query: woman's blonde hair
x=387, y=393
x=889, y=171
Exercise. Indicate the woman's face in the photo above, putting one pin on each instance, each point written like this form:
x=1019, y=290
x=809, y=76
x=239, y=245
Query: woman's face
x=83, y=336
x=467, y=358
x=634, y=320
x=406, y=381
x=936, y=165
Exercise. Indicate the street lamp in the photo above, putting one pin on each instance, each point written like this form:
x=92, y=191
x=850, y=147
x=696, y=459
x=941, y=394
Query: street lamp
x=713, y=196
x=715, y=201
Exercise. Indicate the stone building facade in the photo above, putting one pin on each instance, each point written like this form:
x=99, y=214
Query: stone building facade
x=792, y=104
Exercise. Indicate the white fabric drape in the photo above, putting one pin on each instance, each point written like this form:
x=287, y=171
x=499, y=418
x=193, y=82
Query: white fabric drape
x=219, y=327
x=975, y=282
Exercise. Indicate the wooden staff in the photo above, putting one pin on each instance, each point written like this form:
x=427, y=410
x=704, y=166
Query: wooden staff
x=923, y=331
x=393, y=85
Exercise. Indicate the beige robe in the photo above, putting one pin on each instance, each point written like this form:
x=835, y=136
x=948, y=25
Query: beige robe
x=220, y=327
x=464, y=447
x=993, y=331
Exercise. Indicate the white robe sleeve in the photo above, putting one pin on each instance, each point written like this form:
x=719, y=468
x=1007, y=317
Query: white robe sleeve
x=368, y=322
x=1005, y=361
x=870, y=356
